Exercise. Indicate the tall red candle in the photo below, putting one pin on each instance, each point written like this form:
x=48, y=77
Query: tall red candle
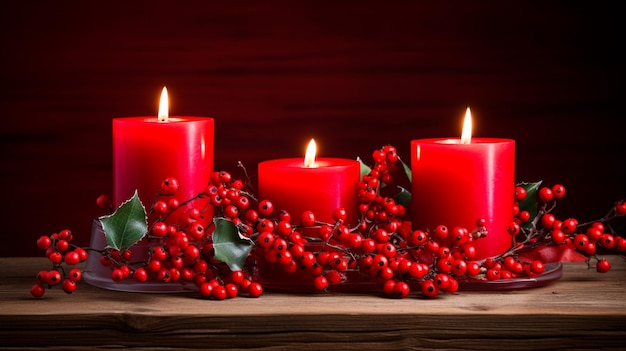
x=146, y=151
x=456, y=183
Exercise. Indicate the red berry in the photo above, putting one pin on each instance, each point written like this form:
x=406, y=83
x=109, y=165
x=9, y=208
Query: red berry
x=418, y=238
x=441, y=231
x=320, y=283
x=62, y=245
x=69, y=286
x=558, y=191
x=169, y=186
x=82, y=253
x=558, y=237
x=603, y=266
x=493, y=274
x=255, y=289
x=620, y=208
x=547, y=220
x=231, y=290
x=381, y=236
x=429, y=288
x=307, y=218
x=75, y=274
x=569, y=225
x=37, y=290
x=513, y=228
x=520, y=193
x=339, y=214
x=160, y=207
x=581, y=241
x=44, y=242
x=159, y=229
x=103, y=202
x=205, y=289
x=224, y=177
x=242, y=202
x=266, y=239
x=117, y=275
x=265, y=225
x=537, y=267
x=473, y=268
x=219, y=292
x=55, y=257
x=442, y=280
x=545, y=194
x=72, y=258
x=620, y=244
x=459, y=267
x=607, y=240
x=53, y=277
x=401, y=289
x=524, y=216
x=265, y=208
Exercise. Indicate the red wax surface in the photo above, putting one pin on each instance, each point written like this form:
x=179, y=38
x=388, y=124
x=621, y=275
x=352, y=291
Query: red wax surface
x=146, y=152
x=454, y=184
x=291, y=186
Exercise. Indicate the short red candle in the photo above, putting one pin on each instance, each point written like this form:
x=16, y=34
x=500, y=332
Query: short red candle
x=454, y=184
x=293, y=187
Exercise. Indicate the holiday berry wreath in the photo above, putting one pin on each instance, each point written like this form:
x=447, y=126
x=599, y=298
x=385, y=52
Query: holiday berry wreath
x=220, y=256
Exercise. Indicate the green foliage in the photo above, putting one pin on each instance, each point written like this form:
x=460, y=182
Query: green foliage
x=127, y=225
x=403, y=197
x=365, y=169
x=230, y=247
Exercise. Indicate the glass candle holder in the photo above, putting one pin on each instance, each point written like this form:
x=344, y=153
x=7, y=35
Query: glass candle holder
x=99, y=275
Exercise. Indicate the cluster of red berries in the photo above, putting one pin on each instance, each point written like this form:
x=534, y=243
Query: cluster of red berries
x=62, y=254
x=381, y=248
x=182, y=251
x=546, y=230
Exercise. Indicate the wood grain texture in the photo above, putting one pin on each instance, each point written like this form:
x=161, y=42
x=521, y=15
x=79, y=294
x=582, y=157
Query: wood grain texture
x=583, y=310
x=354, y=75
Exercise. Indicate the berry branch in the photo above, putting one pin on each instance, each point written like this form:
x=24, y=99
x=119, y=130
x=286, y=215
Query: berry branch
x=228, y=255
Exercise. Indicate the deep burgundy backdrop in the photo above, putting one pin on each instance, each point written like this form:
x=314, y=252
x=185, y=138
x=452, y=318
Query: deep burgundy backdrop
x=353, y=74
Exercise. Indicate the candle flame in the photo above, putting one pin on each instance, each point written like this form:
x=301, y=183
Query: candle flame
x=163, y=106
x=309, y=157
x=466, y=135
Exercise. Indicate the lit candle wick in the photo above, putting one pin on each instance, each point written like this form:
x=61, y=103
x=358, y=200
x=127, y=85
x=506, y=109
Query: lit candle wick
x=309, y=157
x=163, y=106
x=466, y=135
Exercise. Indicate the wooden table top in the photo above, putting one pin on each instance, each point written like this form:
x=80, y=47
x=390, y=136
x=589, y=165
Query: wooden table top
x=582, y=310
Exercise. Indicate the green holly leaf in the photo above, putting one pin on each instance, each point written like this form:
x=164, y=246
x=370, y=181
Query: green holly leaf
x=530, y=202
x=403, y=197
x=127, y=225
x=365, y=169
x=230, y=247
x=407, y=169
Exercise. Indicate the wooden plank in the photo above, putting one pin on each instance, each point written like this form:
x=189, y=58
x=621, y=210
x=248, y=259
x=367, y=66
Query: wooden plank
x=583, y=310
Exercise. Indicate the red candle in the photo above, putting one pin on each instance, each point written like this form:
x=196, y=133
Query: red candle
x=321, y=186
x=457, y=181
x=317, y=185
x=147, y=150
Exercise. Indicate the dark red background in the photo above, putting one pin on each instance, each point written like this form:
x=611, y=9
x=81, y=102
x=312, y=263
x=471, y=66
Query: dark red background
x=353, y=74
